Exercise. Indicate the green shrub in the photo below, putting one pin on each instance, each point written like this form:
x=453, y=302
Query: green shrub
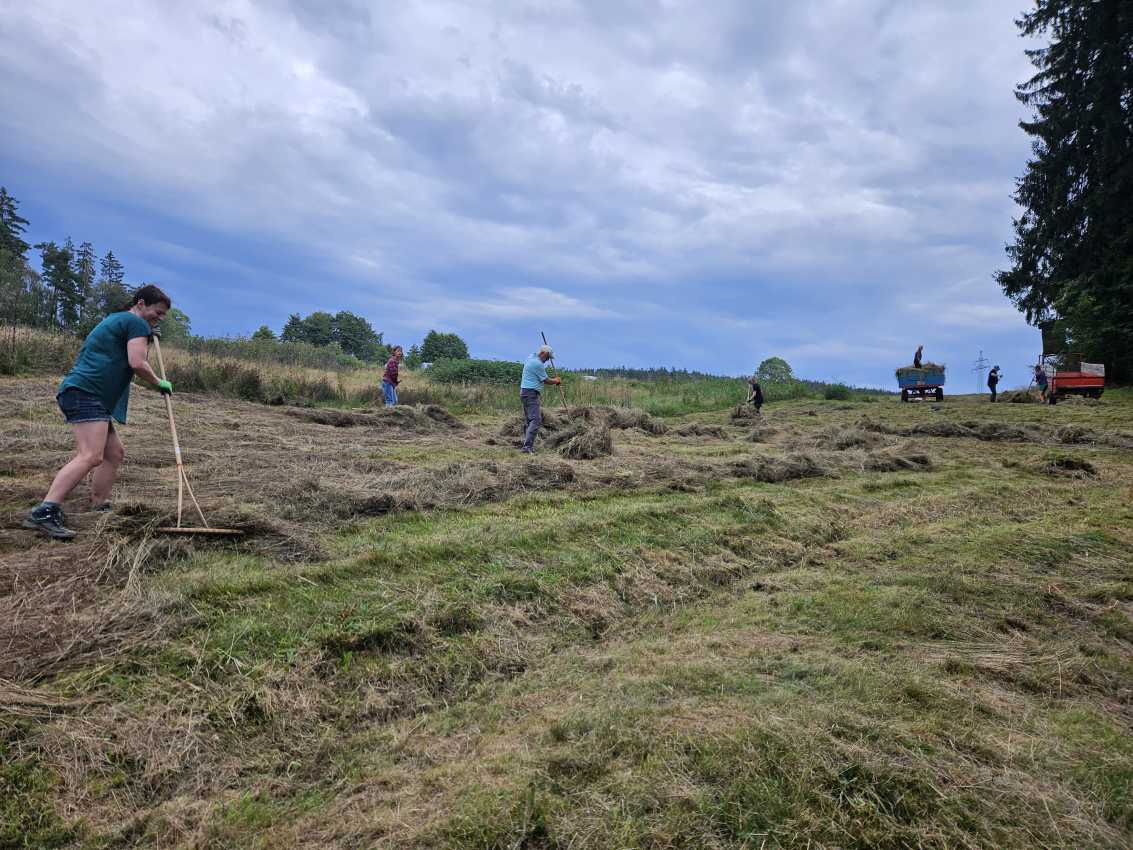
x=836, y=392
x=502, y=372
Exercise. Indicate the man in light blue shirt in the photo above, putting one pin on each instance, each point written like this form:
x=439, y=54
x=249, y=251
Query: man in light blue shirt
x=530, y=388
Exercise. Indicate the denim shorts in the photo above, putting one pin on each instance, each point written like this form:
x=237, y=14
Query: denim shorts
x=79, y=407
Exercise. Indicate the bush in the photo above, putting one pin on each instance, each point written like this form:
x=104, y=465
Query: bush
x=499, y=372
x=836, y=392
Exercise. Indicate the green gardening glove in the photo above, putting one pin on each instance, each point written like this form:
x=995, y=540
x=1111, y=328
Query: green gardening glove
x=165, y=388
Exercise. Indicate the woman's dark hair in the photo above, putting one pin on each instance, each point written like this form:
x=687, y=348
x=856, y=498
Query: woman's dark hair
x=149, y=295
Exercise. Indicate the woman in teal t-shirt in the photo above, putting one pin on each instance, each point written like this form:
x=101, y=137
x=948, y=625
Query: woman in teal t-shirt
x=95, y=391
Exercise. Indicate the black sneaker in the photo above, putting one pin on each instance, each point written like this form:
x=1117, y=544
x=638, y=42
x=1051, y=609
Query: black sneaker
x=104, y=508
x=50, y=522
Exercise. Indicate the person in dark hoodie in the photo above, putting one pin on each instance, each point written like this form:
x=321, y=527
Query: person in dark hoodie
x=756, y=394
x=95, y=392
x=993, y=381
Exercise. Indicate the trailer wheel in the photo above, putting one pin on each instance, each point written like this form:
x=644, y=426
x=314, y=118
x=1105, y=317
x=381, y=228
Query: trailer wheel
x=939, y=394
x=904, y=395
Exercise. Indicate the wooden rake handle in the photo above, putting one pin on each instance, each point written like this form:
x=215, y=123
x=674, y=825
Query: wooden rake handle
x=182, y=479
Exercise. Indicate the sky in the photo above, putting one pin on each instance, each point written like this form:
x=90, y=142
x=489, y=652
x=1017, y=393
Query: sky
x=649, y=182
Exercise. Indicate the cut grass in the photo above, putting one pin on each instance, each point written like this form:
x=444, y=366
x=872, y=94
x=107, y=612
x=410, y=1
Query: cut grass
x=867, y=659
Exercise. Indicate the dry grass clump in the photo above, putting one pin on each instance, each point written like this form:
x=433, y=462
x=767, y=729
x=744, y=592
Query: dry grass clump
x=619, y=418
x=850, y=438
x=897, y=460
x=996, y=431
x=774, y=470
x=1067, y=465
x=695, y=429
x=1073, y=435
x=745, y=413
x=420, y=419
x=939, y=428
x=1020, y=397
x=761, y=434
x=588, y=444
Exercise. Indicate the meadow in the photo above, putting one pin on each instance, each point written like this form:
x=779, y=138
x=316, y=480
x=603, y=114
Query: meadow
x=841, y=624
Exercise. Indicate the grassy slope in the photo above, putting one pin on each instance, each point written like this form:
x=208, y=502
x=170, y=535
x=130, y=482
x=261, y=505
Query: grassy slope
x=936, y=658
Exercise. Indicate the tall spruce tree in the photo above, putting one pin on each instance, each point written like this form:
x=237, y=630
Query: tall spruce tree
x=1072, y=258
x=112, y=270
x=61, y=280
x=85, y=272
x=12, y=226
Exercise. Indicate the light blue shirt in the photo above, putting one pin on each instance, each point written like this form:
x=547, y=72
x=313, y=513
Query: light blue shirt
x=534, y=374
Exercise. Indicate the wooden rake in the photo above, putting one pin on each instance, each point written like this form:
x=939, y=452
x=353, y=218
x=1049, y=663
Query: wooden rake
x=182, y=478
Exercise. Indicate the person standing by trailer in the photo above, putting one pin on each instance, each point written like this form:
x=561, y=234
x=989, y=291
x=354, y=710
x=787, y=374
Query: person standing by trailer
x=756, y=395
x=530, y=394
x=390, y=378
x=993, y=381
x=1040, y=380
x=94, y=392
x=917, y=357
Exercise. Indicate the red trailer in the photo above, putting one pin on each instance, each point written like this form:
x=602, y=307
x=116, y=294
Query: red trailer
x=1067, y=374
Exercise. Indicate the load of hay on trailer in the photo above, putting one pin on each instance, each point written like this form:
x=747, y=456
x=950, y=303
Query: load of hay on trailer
x=921, y=382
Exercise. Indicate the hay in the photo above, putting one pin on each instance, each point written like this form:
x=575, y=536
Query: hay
x=939, y=428
x=619, y=418
x=897, y=461
x=695, y=429
x=1074, y=435
x=588, y=444
x=1020, y=397
x=997, y=431
x=1066, y=465
x=421, y=419
x=775, y=470
x=745, y=413
x=762, y=434
x=850, y=438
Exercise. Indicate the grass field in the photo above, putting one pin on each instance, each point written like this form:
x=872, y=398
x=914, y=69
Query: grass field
x=847, y=624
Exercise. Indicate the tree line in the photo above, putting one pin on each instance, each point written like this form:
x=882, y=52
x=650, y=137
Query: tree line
x=74, y=288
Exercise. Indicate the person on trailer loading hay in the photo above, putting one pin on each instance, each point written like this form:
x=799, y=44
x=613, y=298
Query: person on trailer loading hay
x=95, y=392
x=755, y=397
x=993, y=381
x=530, y=393
x=917, y=357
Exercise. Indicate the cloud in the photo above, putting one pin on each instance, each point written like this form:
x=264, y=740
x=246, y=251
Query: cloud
x=642, y=163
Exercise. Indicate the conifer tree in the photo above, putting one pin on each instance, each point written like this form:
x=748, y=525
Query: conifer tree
x=1072, y=258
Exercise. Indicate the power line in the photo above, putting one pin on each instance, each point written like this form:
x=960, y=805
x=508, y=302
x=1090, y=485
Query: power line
x=979, y=367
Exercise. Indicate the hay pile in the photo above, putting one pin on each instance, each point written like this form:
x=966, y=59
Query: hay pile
x=695, y=429
x=1066, y=465
x=745, y=413
x=762, y=434
x=850, y=438
x=775, y=470
x=1074, y=435
x=416, y=419
x=618, y=418
x=897, y=460
x=588, y=444
x=1020, y=397
x=939, y=428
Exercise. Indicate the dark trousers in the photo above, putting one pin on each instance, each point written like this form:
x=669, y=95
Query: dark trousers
x=532, y=416
x=992, y=388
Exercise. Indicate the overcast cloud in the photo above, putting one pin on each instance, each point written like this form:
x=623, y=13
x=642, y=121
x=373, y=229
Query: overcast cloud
x=650, y=182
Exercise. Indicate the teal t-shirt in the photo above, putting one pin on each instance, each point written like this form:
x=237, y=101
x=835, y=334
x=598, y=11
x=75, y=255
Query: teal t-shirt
x=534, y=374
x=103, y=367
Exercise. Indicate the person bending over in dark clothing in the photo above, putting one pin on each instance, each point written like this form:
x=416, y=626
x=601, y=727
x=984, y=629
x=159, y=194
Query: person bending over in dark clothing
x=756, y=396
x=917, y=357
